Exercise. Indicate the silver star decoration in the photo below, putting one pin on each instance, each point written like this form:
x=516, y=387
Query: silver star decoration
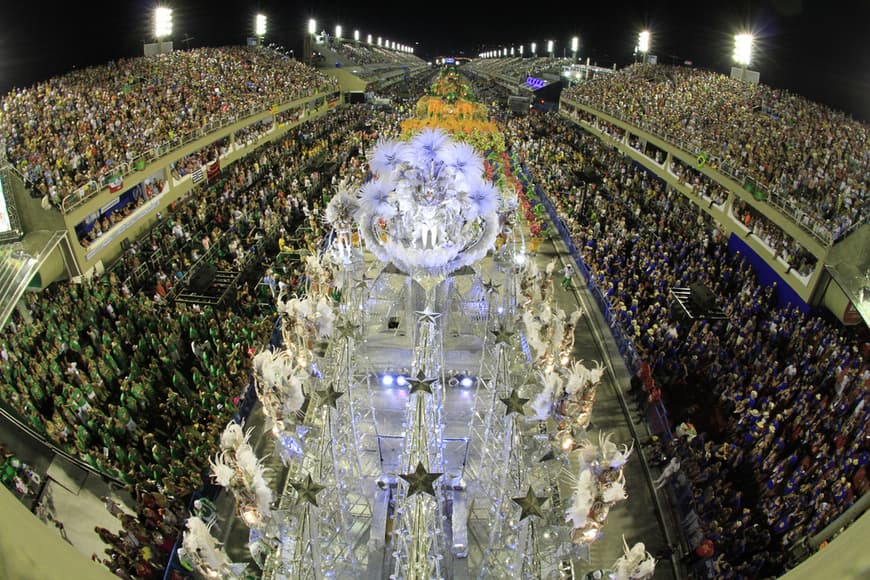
x=427, y=315
x=346, y=329
x=329, y=396
x=307, y=490
x=514, y=403
x=490, y=287
x=502, y=335
x=362, y=282
x=420, y=384
x=421, y=480
x=530, y=504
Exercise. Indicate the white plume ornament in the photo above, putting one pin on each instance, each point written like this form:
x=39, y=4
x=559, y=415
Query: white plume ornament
x=203, y=550
x=582, y=498
x=428, y=207
x=233, y=436
x=386, y=156
x=463, y=159
x=341, y=209
x=598, y=483
x=374, y=199
x=636, y=564
x=614, y=456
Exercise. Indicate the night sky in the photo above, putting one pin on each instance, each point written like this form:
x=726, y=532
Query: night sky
x=819, y=49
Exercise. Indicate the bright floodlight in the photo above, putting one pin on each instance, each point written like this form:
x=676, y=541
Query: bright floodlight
x=380, y=41
x=369, y=38
x=356, y=35
x=743, y=49
x=338, y=30
x=162, y=22
x=550, y=46
x=312, y=26
x=575, y=44
x=260, y=25
x=643, y=41
x=534, y=47
x=521, y=50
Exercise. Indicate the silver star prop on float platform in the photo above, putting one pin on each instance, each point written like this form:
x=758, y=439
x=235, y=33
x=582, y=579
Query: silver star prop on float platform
x=307, y=490
x=427, y=315
x=490, y=287
x=346, y=329
x=502, y=335
x=420, y=384
x=530, y=504
x=362, y=282
x=329, y=396
x=514, y=403
x=420, y=481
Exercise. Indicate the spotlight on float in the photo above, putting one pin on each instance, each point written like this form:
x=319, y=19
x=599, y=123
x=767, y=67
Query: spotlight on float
x=312, y=26
x=466, y=382
x=401, y=381
x=387, y=380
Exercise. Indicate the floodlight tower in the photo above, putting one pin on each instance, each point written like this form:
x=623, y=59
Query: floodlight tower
x=309, y=40
x=743, y=49
x=550, y=45
x=162, y=21
x=575, y=46
x=643, y=42
x=260, y=27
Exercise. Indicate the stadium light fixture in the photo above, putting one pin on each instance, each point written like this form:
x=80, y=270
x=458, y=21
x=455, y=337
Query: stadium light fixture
x=260, y=25
x=521, y=50
x=743, y=49
x=550, y=47
x=380, y=41
x=312, y=26
x=369, y=38
x=338, y=31
x=162, y=22
x=575, y=45
x=643, y=40
x=534, y=46
x=356, y=35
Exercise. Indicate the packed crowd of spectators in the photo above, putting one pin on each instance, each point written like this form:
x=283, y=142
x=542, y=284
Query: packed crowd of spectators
x=815, y=158
x=360, y=53
x=781, y=244
x=198, y=159
x=141, y=547
x=699, y=183
x=792, y=388
x=85, y=125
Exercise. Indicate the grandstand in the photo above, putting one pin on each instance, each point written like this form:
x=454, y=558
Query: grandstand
x=164, y=245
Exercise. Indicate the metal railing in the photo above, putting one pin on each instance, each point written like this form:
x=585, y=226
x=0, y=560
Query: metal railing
x=812, y=225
